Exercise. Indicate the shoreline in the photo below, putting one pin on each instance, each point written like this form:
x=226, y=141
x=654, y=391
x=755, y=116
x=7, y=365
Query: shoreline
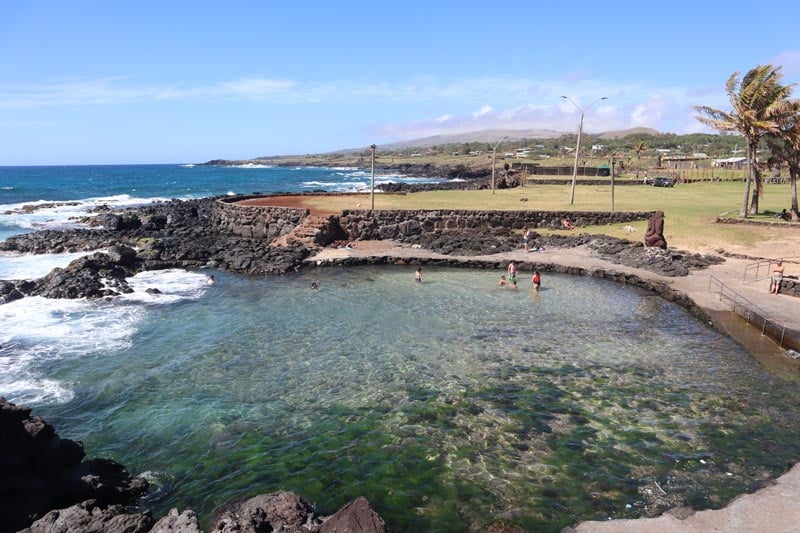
x=574, y=257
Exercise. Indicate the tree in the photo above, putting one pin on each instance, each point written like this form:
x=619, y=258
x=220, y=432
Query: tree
x=638, y=148
x=758, y=101
x=466, y=149
x=785, y=146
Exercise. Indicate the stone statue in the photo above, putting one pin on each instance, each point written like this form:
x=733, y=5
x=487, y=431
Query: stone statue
x=654, y=237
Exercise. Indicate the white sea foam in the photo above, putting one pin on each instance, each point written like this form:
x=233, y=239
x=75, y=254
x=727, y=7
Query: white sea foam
x=189, y=165
x=173, y=284
x=37, y=331
x=61, y=214
x=252, y=165
x=28, y=266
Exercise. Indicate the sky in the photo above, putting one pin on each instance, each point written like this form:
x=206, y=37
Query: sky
x=114, y=82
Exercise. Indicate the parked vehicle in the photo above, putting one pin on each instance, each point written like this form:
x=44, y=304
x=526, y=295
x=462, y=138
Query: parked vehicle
x=663, y=181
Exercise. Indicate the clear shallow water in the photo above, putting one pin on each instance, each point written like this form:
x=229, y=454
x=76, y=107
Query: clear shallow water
x=449, y=404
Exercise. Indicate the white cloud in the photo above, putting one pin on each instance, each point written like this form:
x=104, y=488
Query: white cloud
x=485, y=110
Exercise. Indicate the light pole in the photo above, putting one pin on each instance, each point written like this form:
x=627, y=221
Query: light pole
x=372, y=193
x=611, y=162
x=578, y=147
x=494, y=159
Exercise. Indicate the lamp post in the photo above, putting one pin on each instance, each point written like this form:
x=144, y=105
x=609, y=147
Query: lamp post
x=494, y=160
x=611, y=162
x=372, y=193
x=578, y=147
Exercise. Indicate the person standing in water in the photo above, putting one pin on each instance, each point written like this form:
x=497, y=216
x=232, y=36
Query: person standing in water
x=536, y=280
x=418, y=275
x=512, y=274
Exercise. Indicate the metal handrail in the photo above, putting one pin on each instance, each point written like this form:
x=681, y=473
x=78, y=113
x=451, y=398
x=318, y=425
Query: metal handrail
x=749, y=311
x=763, y=264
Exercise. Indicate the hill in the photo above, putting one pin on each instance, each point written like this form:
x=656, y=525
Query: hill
x=492, y=136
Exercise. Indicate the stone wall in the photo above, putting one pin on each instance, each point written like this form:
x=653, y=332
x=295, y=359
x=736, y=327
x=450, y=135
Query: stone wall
x=255, y=222
x=364, y=224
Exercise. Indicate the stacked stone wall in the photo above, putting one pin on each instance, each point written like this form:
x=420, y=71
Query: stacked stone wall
x=255, y=222
x=385, y=224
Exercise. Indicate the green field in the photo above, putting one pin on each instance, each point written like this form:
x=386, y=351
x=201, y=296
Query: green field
x=690, y=209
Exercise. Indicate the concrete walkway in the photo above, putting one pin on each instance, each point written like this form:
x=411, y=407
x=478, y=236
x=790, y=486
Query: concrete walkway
x=776, y=508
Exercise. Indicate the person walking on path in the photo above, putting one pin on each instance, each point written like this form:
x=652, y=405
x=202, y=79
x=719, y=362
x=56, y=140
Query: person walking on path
x=777, y=277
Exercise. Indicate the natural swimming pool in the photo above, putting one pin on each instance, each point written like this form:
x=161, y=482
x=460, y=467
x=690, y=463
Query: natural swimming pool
x=450, y=404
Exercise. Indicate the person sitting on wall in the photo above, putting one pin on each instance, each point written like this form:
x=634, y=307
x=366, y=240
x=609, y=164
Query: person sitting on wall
x=566, y=224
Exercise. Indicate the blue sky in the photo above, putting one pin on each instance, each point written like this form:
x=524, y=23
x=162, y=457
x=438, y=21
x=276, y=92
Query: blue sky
x=173, y=82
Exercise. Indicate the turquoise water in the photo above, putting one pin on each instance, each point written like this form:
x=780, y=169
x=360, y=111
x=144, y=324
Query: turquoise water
x=450, y=404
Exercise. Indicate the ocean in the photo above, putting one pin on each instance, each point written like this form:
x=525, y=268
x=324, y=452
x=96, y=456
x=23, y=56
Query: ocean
x=450, y=404
x=79, y=188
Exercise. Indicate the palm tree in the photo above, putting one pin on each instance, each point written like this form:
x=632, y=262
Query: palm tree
x=638, y=148
x=758, y=101
x=785, y=146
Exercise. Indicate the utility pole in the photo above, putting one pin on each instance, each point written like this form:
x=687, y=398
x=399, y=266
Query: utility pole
x=494, y=160
x=372, y=193
x=578, y=147
x=611, y=162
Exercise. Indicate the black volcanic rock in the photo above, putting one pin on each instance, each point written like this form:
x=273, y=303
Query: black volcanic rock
x=91, y=517
x=40, y=471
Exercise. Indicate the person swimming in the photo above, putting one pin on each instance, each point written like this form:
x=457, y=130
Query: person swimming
x=211, y=280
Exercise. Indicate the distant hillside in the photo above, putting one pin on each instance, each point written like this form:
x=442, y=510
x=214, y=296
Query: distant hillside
x=483, y=136
x=622, y=133
x=492, y=136
x=488, y=136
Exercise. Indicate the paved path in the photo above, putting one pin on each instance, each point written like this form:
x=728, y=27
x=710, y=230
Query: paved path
x=776, y=508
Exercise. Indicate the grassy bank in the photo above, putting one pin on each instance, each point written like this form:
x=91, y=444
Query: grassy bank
x=690, y=209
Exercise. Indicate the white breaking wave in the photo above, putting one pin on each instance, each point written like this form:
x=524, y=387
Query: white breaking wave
x=38, y=331
x=61, y=214
x=29, y=266
x=251, y=165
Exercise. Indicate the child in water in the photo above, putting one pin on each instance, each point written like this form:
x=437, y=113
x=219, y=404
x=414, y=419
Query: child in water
x=536, y=280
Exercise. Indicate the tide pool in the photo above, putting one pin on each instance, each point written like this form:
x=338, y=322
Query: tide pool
x=450, y=404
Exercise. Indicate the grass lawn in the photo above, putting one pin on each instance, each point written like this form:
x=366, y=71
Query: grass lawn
x=690, y=209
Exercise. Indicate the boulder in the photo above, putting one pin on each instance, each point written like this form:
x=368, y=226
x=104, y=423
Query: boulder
x=41, y=471
x=355, y=517
x=277, y=511
x=175, y=522
x=90, y=517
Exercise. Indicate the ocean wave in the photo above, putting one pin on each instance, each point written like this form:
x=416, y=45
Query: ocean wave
x=173, y=285
x=251, y=165
x=32, y=266
x=188, y=165
x=62, y=214
x=39, y=330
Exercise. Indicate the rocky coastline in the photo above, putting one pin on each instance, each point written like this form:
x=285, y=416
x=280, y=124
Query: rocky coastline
x=99, y=495
x=47, y=486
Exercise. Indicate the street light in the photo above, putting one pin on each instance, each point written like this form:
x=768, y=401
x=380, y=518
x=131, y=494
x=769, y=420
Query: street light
x=494, y=159
x=578, y=147
x=372, y=193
